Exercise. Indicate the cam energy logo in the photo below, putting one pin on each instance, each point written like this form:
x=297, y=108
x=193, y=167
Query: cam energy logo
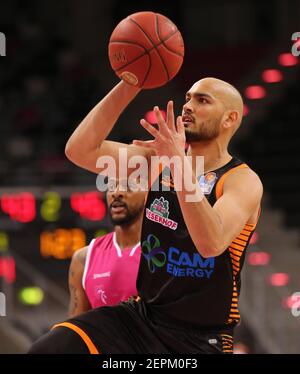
x=184, y=264
x=176, y=262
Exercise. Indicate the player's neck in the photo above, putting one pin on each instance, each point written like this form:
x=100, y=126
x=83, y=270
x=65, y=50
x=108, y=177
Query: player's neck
x=215, y=154
x=128, y=236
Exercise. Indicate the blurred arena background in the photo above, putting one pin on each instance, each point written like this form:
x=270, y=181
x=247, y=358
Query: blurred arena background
x=56, y=68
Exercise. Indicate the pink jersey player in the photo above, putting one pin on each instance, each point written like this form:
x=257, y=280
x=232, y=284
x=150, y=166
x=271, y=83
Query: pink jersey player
x=110, y=273
x=104, y=273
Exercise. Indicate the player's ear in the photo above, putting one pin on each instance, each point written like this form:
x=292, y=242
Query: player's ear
x=231, y=117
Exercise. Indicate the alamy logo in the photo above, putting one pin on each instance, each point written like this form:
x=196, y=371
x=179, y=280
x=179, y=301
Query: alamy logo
x=296, y=304
x=146, y=171
x=2, y=305
x=296, y=45
x=2, y=44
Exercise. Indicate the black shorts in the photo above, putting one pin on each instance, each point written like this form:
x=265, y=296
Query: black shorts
x=126, y=329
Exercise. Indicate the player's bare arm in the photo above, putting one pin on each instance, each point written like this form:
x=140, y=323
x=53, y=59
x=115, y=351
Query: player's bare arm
x=87, y=143
x=212, y=229
x=78, y=300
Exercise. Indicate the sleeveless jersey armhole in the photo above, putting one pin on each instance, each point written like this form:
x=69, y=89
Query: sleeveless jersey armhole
x=221, y=181
x=220, y=185
x=87, y=262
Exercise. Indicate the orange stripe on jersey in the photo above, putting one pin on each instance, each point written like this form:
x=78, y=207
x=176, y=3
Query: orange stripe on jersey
x=248, y=229
x=227, y=336
x=227, y=343
x=91, y=347
x=243, y=237
x=235, y=252
x=246, y=233
x=220, y=183
x=234, y=263
x=234, y=314
x=227, y=340
x=234, y=256
x=235, y=266
x=240, y=241
x=237, y=246
x=235, y=259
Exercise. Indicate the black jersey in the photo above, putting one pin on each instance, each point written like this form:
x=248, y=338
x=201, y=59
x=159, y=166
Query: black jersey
x=177, y=286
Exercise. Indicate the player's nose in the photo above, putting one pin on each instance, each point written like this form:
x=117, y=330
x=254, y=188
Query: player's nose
x=118, y=192
x=187, y=107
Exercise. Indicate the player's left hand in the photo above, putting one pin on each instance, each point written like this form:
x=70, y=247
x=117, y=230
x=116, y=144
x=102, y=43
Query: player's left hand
x=169, y=140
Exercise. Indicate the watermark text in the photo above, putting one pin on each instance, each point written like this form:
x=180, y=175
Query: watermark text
x=296, y=46
x=2, y=305
x=144, y=173
x=296, y=304
x=2, y=44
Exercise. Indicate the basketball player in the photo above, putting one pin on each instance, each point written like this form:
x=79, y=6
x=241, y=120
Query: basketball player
x=189, y=275
x=104, y=273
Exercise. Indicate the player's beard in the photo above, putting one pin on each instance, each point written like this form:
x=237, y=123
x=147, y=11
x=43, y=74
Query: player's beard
x=129, y=217
x=205, y=132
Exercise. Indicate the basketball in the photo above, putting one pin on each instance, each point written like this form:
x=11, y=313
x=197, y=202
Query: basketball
x=146, y=50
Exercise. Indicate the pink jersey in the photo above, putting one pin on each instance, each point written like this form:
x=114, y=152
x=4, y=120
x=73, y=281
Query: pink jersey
x=110, y=273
